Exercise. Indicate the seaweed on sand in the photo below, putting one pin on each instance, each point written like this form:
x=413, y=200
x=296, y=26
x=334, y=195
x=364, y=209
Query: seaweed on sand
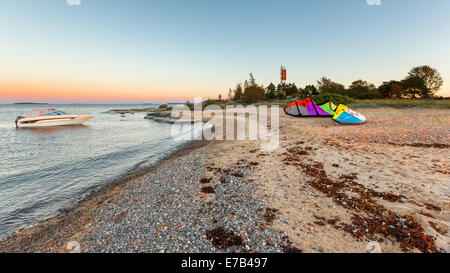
x=223, y=180
x=369, y=217
x=222, y=238
x=205, y=180
x=208, y=190
x=237, y=174
x=291, y=249
x=432, y=207
x=437, y=228
x=270, y=215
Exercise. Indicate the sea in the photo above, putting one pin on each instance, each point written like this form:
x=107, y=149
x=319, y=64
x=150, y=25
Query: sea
x=46, y=170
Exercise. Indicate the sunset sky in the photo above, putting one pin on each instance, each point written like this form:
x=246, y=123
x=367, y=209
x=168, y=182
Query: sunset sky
x=142, y=50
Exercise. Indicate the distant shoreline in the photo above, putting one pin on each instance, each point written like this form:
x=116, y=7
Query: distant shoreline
x=44, y=103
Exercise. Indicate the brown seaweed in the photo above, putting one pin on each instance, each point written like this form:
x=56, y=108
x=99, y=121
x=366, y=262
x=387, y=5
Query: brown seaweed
x=222, y=238
x=208, y=189
x=369, y=217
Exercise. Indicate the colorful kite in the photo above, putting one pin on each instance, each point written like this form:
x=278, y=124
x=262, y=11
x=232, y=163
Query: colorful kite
x=308, y=108
x=345, y=115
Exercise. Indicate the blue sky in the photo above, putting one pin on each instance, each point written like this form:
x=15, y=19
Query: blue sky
x=178, y=49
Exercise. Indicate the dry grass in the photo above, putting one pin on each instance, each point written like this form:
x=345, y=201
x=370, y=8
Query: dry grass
x=401, y=103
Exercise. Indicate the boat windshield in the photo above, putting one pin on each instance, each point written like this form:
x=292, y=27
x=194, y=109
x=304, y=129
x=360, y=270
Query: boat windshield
x=55, y=113
x=47, y=112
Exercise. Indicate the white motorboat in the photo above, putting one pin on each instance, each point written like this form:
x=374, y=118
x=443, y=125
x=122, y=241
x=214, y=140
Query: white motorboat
x=50, y=117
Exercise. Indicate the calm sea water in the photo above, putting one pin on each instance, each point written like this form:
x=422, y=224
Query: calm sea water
x=48, y=169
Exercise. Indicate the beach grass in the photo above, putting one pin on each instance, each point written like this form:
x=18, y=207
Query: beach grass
x=281, y=103
x=377, y=103
x=402, y=103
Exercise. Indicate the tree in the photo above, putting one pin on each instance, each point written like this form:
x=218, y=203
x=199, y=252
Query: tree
x=230, y=94
x=396, y=90
x=220, y=96
x=291, y=89
x=361, y=85
x=325, y=85
x=252, y=81
x=246, y=84
x=190, y=105
x=271, y=91
x=414, y=87
x=253, y=93
x=431, y=78
x=271, y=88
x=363, y=90
x=280, y=91
x=310, y=90
x=238, y=92
x=391, y=89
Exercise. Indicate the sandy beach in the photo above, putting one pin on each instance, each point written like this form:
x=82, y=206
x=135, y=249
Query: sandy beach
x=378, y=187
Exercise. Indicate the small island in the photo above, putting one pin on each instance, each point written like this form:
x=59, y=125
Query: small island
x=41, y=103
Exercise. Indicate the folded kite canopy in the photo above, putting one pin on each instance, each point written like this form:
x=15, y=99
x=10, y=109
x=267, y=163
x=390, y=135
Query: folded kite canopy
x=308, y=108
x=345, y=115
x=329, y=107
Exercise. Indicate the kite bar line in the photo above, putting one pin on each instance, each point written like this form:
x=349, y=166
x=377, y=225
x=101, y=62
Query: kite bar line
x=298, y=109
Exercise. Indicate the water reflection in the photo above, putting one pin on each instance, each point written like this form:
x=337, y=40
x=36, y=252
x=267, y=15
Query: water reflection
x=46, y=169
x=53, y=129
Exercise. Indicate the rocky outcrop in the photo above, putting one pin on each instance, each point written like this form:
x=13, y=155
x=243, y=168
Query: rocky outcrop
x=160, y=116
x=166, y=116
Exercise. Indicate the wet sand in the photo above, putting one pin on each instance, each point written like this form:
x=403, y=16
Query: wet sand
x=327, y=188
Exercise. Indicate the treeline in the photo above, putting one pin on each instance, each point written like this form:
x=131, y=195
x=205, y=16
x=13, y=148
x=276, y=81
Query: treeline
x=421, y=82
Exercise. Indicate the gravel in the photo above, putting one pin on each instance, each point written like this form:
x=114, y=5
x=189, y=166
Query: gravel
x=165, y=211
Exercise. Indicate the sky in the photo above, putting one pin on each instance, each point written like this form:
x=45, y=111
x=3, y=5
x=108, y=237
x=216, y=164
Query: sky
x=138, y=51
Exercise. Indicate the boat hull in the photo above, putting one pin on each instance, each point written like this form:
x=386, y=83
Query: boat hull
x=53, y=121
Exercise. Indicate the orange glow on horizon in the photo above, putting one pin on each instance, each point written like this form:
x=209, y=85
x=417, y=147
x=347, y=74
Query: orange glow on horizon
x=36, y=90
x=33, y=90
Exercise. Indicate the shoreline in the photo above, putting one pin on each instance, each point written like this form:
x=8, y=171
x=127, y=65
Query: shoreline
x=229, y=196
x=85, y=204
x=217, y=233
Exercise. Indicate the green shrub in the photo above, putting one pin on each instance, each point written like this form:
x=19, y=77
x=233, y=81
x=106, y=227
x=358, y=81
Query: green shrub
x=193, y=106
x=190, y=106
x=333, y=97
x=253, y=94
x=210, y=102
